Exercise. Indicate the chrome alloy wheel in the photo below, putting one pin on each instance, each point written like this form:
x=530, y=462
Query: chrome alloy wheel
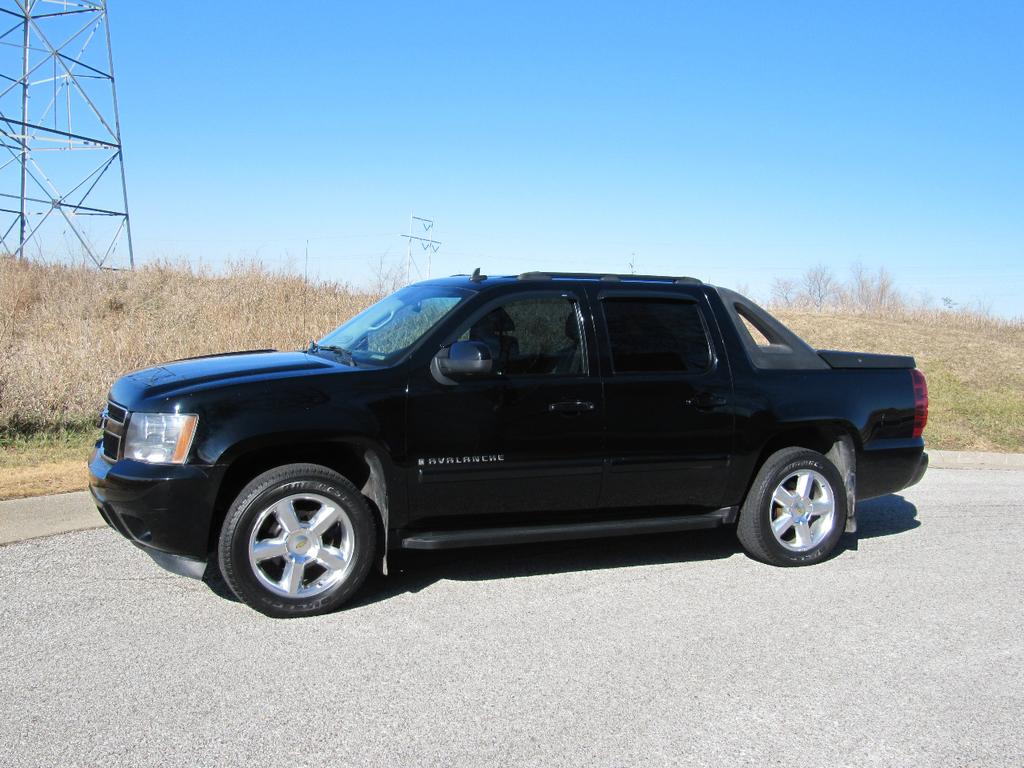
x=803, y=510
x=301, y=545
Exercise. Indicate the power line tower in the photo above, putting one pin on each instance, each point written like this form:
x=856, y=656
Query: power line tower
x=62, y=184
x=426, y=241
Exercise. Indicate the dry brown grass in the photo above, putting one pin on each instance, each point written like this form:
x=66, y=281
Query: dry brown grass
x=45, y=479
x=53, y=462
x=67, y=332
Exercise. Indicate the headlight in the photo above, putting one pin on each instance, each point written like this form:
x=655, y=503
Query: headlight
x=160, y=438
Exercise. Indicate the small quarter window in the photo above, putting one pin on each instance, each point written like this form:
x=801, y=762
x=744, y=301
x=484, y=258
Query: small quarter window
x=656, y=335
x=755, y=334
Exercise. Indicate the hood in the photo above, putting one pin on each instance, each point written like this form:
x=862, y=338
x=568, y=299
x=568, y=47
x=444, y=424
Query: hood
x=183, y=376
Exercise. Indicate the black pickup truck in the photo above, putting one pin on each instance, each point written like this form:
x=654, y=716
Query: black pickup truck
x=475, y=410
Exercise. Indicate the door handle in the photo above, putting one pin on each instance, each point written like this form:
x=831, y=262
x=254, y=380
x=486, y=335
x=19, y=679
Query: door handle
x=705, y=401
x=571, y=406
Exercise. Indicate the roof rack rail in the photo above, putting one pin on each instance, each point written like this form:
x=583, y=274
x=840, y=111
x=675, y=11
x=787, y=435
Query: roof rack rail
x=609, y=278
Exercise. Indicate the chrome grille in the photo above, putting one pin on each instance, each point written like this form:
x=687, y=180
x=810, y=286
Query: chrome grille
x=114, y=419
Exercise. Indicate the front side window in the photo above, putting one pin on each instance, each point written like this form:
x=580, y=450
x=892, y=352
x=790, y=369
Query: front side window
x=531, y=337
x=656, y=335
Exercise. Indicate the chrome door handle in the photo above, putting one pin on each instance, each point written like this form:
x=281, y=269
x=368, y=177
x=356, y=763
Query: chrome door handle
x=705, y=401
x=571, y=406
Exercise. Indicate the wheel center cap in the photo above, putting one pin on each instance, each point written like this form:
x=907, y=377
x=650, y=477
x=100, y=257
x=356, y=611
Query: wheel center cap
x=300, y=544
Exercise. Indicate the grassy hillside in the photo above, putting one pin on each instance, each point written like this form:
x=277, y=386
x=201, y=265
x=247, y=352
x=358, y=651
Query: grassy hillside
x=67, y=332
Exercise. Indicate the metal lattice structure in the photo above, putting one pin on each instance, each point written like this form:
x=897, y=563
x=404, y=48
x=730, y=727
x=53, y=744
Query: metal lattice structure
x=427, y=242
x=62, y=183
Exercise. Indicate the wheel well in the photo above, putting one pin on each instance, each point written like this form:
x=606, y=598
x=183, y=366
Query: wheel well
x=347, y=459
x=815, y=438
x=836, y=442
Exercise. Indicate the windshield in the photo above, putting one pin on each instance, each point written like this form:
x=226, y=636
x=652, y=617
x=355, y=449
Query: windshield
x=384, y=332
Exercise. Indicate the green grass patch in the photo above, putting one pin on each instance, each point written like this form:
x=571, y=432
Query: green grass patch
x=966, y=416
x=28, y=449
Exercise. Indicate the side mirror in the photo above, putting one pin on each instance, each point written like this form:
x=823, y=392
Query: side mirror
x=463, y=359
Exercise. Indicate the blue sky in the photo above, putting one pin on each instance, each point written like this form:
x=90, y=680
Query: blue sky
x=737, y=142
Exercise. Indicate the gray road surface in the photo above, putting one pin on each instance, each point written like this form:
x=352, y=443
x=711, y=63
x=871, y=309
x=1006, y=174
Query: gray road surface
x=905, y=649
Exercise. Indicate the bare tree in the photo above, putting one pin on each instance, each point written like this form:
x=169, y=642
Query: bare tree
x=820, y=286
x=873, y=291
x=887, y=296
x=860, y=286
x=784, y=292
x=387, y=278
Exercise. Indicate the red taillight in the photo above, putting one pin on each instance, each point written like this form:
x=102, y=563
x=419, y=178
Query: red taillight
x=920, y=401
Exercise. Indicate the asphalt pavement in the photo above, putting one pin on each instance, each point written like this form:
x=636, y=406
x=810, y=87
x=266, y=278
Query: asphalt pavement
x=904, y=649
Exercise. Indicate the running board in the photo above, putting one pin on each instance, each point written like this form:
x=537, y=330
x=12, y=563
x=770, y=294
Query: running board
x=524, y=534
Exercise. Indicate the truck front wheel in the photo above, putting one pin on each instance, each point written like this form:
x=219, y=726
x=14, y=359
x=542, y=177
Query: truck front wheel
x=298, y=540
x=795, y=511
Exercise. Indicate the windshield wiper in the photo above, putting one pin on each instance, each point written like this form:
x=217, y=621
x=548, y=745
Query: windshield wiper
x=346, y=356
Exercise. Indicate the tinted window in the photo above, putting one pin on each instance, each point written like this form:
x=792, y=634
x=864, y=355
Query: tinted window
x=656, y=335
x=532, y=337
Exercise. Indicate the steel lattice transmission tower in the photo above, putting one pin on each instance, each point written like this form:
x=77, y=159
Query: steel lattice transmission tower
x=428, y=243
x=62, y=184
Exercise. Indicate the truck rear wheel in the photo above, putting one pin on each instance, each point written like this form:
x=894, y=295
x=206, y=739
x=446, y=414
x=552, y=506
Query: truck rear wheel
x=298, y=540
x=795, y=511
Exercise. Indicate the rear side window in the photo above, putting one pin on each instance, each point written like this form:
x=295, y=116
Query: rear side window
x=656, y=335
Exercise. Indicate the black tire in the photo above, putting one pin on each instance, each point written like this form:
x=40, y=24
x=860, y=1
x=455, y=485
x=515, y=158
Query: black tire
x=760, y=510
x=303, y=489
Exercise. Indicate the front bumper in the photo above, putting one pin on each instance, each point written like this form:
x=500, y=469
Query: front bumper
x=165, y=509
